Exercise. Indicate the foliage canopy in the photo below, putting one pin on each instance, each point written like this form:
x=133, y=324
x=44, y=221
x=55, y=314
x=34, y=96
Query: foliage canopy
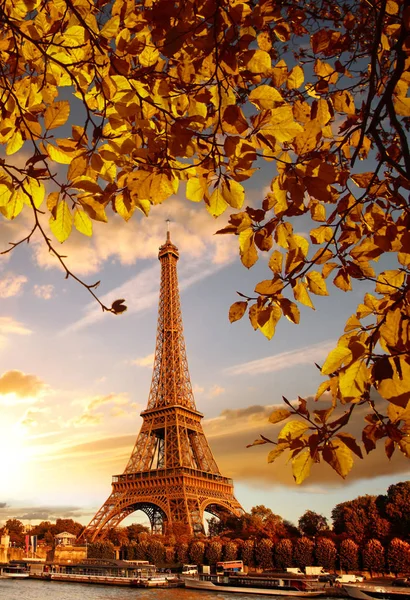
x=197, y=94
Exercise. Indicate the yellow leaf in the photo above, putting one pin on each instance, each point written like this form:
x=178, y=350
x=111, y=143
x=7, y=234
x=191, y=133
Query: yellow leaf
x=316, y=283
x=282, y=125
x=111, y=27
x=279, y=415
x=352, y=382
x=275, y=262
x=265, y=96
x=56, y=114
x=5, y=194
x=389, y=282
x=301, y=294
x=397, y=389
x=94, y=209
x=277, y=451
x=149, y=56
x=82, y=222
x=290, y=310
x=404, y=445
x=194, y=190
x=15, y=143
x=233, y=192
x=58, y=155
x=335, y=359
x=162, y=187
x=339, y=457
x=62, y=224
x=36, y=190
x=87, y=184
x=259, y=61
x=125, y=211
x=247, y=248
x=402, y=105
x=269, y=287
x=293, y=430
x=237, y=311
x=267, y=319
x=217, y=203
x=321, y=234
x=301, y=465
x=295, y=78
x=14, y=205
x=342, y=281
x=143, y=205
x=397, y=413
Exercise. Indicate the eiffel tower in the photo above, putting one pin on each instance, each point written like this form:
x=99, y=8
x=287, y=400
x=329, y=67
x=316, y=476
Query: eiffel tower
x=171, y=475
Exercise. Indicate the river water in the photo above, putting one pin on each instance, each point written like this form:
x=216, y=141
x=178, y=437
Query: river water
x=32, y=589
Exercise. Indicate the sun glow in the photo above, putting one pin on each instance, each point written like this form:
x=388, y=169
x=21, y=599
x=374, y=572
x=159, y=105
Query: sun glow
x=14, y=455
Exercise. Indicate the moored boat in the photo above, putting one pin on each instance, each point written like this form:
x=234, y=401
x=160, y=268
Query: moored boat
x=255, y=584
x=368, y=591
x=13, y=572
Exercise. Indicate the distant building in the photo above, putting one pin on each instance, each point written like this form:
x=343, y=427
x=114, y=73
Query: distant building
x=64, y=539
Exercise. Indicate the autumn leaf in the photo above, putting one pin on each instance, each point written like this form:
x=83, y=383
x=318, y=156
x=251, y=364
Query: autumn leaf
x=316, y=284
x=62, y=223
x=279, y=415
x=339, y=457
x=57, y=114
x=335, y=359
x=237, y=311
x=82, y=222
x=301, y=465
x=293, y=430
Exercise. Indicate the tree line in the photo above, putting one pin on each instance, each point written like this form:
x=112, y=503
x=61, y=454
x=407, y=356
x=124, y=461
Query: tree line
x=368, y=533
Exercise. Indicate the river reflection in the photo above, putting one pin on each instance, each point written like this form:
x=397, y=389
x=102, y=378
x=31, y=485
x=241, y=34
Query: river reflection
x=32, y=589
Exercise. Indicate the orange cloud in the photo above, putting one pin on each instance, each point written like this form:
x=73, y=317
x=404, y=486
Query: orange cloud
x=20, y=384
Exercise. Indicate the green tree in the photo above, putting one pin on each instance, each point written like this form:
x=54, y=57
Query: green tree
x=349, y=555
x=398, y=556
x=283, y=553
x=373, y=557
x=185, y=100
x=311, y=523
x=303, y=552
x=264, y=553
x=325, y=553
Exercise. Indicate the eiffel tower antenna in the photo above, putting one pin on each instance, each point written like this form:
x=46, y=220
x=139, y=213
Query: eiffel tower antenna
x=171, y=475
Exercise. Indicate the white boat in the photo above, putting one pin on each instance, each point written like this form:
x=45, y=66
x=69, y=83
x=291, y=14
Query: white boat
x=14, y=572
x=254, y=584
x=368, y=591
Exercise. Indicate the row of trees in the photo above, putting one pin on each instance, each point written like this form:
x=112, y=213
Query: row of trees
x=266, y=554
x=364, y=520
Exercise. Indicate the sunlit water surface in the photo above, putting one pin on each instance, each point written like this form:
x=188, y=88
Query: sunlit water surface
x=32, y=589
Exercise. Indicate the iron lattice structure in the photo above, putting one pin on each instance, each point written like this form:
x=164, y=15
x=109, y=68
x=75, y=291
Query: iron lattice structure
x=171, y=475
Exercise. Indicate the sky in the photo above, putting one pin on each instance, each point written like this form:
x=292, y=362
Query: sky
x=73, y=380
